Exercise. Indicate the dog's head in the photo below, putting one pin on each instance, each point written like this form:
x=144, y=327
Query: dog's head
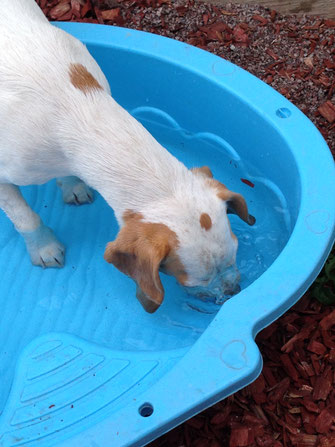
x=188, y=237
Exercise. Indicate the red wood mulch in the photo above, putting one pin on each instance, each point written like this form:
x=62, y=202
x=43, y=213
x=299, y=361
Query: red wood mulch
x=292, y=403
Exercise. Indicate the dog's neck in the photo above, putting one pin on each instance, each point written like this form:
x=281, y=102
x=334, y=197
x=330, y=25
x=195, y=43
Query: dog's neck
x=109, y=150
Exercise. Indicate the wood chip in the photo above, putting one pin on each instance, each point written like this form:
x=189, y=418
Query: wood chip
x=262, y=20
x=327, y=110
x=239, y=437
x=309, y=61
x=310, y=405
x=329, y=23
x=324, y=421
x=323, y=385
x=317, y=347
x=305, y=440
x=110, y=14
x=60, y=9
x=289, y=367
x=247, y=182
x=327, y=441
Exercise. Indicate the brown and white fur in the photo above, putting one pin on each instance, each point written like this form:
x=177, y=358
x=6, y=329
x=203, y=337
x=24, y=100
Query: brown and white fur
x=58, y=120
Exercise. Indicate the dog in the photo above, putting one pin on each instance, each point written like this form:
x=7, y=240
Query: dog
x=59, y=120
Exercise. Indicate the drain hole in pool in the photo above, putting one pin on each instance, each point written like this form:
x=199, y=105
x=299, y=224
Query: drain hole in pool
x=283, y=112
x=146, y=410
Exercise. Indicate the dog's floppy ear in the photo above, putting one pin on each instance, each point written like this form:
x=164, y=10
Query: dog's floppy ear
x=236, y=203
x=138, y=252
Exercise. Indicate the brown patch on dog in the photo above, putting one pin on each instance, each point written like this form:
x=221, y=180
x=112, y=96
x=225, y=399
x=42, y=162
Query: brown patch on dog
x=139, y=250
x=82, y=79
x=173, y=266
x=205, y=221
x=204, y=170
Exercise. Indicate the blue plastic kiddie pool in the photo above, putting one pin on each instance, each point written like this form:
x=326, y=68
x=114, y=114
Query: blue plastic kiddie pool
x=81, y=363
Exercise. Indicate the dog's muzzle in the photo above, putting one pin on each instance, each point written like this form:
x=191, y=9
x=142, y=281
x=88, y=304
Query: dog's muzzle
x=220, y=289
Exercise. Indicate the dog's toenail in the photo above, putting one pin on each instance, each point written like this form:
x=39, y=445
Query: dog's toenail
x=76, y=199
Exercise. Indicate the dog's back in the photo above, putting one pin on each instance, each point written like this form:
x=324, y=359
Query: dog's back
x=33, y=51
x=34, y=78
x=15, y=11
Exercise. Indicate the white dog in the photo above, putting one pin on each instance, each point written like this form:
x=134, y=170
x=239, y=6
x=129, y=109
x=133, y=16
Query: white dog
x=58, y=120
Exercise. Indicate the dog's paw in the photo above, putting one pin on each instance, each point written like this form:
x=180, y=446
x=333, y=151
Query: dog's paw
x=75, y=191
x=44, y=248
x=79, y=194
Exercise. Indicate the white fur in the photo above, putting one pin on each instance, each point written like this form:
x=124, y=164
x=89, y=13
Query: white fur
x=49, y=128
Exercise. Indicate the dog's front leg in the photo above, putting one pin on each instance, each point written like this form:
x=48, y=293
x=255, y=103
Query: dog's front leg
x=44, y=249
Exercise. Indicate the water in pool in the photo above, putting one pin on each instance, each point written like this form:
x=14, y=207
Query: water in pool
x=90, y=298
